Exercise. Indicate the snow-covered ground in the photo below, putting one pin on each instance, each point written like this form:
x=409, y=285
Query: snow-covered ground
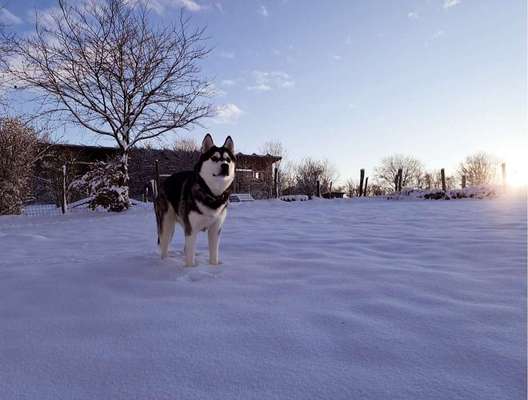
x=342, y=299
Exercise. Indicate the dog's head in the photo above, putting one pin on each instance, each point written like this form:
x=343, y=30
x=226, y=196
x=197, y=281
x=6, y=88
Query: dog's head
x=217, y=164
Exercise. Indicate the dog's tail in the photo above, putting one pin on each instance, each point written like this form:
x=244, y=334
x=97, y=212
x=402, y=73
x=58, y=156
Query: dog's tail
x=161, y=206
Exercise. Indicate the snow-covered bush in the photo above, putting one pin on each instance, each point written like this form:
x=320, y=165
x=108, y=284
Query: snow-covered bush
x=294, y=197
x=18, y=150
x=475, y=192
x=106, y=183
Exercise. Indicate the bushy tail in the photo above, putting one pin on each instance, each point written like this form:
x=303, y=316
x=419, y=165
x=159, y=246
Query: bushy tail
x=161, y=206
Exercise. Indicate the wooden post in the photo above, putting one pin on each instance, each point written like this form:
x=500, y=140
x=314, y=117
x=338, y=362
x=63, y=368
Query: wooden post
x=361, y=178
x=276, y=182
x=463, y=181
x=157, y=176
x=64, y=204
x=503, y=169
x=318, y=189
x=442, y=173
x=330, y=194
x=366, y=185
x=400, y=178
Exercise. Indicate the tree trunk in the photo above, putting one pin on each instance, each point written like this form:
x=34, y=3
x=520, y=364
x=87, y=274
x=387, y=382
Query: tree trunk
x=124, y=182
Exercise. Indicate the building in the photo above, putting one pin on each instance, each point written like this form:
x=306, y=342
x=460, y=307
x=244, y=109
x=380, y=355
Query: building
x=254, y=174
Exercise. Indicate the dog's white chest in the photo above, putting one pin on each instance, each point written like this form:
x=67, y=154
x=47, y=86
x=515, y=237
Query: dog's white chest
x=207, y=217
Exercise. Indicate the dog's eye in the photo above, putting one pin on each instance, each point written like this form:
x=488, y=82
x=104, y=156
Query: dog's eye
x=215, y=159
x=227, y=159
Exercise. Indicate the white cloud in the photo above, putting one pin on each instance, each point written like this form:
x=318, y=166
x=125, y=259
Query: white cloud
x=263, y=11
x=265, y=81
x=348, y=40
x=228, y=82
x=337, y=57
x=8, y=18
x=413, y=15
x=227, y=113
x=450, y=3
x=262, y=87
x=190, y=5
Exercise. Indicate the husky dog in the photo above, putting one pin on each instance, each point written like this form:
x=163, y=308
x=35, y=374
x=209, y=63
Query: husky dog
x=197, y=200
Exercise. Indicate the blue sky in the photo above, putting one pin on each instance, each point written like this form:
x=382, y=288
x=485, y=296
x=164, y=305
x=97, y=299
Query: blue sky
x=354, y=81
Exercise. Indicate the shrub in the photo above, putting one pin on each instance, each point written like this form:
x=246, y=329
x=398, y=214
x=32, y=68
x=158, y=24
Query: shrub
x=106, y=184
x=18, y=152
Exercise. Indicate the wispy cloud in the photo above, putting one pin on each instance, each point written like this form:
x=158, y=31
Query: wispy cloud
x=262, y=10
x=226, y=54
x=265, y=81
x=8, y=18
x=219, y=7
x=227, y=113
x=216, y=91
x=413, y=15
x=337, y=57
x=438, y=34
x=228, y=82
x=160, y=6
x=450, y=3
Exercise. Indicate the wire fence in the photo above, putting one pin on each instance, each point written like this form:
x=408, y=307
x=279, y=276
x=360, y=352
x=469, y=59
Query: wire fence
x=40, y=210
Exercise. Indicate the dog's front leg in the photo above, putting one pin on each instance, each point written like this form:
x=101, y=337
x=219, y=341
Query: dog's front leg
x=213, y=235
x=190, y=249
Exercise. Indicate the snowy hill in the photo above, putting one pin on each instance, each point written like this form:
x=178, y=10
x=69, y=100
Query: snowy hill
x=343, y=299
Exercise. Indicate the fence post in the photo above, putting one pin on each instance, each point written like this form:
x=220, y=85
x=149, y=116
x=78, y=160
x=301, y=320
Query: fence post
x=366, y=185
x=64, y=204
x=442, y=173
x=157, y=176
x=318, y=189
x=276, y=182
x=463, y=181
x=400, y=178
x=503, y=168
x=361, y=178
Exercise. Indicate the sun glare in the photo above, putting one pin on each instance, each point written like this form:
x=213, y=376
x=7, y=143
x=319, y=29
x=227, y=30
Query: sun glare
x=516, y=170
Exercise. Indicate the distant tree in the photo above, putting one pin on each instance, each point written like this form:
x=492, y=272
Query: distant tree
x=105, y=66
x=412, y=172
x=479, y=169
x=187, y=145
x=433, y=180
x=277, y=149
x=309, y=171
x=351, y=188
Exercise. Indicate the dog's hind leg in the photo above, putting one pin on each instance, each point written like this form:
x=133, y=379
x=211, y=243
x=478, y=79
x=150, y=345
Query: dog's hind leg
x=168, y=223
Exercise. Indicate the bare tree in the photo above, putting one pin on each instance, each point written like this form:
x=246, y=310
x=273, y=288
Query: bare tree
x=19, y=150
x=412, y=172
x=433, y=180
x=309, y=171
x=106, y=67
x=351, y=187
x=188, y=145
x=284, y=168
x=479, y=169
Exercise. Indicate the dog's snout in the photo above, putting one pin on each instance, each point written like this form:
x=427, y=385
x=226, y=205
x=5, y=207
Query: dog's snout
x=224, y=169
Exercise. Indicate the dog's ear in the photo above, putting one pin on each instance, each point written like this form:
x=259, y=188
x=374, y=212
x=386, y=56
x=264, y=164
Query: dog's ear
x=229, y=145
x=207, y=143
